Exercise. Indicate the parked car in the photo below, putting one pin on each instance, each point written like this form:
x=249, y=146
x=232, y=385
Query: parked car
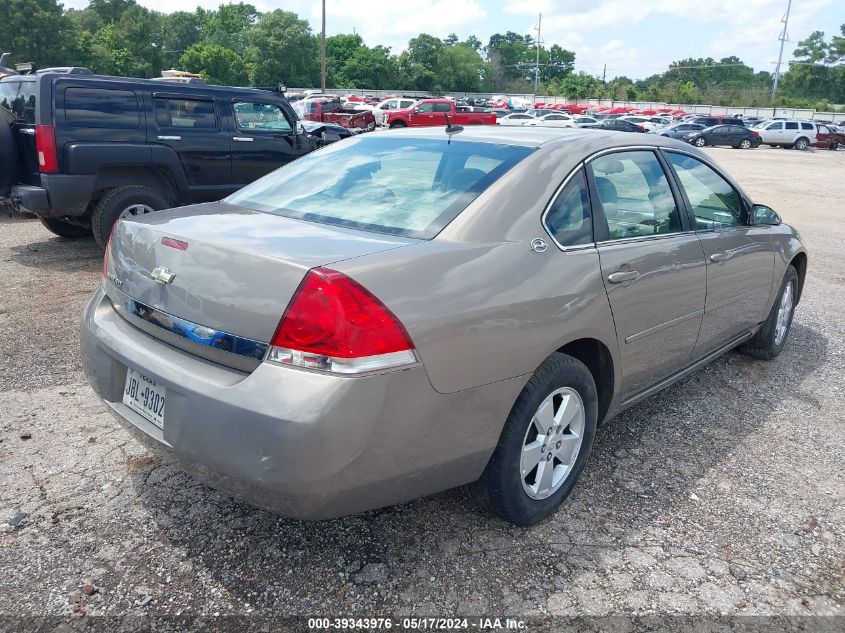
x=616, y=125
x=583, y=121
x=678, y=130
x=829, y=136
x=648, y=122
x=733, y=135
x=80, y=150
x=709, y=121
x=352, y=290
x=788, y=133
x=378, y=110
x=515, y=119
x=555, y=119
x=331, y=110
x=429, y=112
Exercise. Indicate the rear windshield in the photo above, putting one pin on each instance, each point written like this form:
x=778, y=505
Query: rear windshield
x=398, y=185
x=17, y=99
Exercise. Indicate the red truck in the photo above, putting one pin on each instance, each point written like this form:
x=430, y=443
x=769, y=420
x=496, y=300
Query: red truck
x=433, y=112
x=331, y=110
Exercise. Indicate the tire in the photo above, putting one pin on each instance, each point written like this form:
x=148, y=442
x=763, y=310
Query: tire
x=66, y=229
x=801, y=144
x=119, y=202
x=396, y=124
x=503, y=489
x=768, y=342
x=745, y=144
x=700, y=142
x=8, y=158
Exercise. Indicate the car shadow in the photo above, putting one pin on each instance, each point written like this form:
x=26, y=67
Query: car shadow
x=58, y=253
x=646, y=465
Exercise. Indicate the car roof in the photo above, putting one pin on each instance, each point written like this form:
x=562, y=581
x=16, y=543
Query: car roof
x=161, y=86
x=593, y=139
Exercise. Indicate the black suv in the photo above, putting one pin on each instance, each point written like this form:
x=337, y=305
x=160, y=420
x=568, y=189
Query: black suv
x=80, y=150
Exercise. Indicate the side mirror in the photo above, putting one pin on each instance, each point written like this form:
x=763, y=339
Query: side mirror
x=417, y=110
x=763, y=215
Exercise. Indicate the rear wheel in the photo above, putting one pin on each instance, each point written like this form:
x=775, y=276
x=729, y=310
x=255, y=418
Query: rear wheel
x=700, y=142
x=770, y=339
x=65, y=228
x=745, y=144
x=123, y=202
x=544, y=445
x=801, y=144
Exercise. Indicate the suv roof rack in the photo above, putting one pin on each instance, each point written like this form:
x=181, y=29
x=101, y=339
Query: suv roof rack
x=182, y=80
x=65, y=70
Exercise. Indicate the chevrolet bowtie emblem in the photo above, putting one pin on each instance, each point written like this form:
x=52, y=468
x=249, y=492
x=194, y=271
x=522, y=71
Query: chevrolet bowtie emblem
x=162, y=275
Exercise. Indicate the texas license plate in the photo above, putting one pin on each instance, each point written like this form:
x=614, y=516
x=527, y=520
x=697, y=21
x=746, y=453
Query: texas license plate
x=144, y=396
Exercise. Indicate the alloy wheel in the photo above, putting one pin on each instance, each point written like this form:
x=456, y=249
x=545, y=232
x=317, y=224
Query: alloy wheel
x=784, y=314
x=552, y=443
x=135, y=209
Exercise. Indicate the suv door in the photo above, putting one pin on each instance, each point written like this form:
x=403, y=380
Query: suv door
x=652, y=265
x=264, y=138
x=740, y=258
x=192, y=125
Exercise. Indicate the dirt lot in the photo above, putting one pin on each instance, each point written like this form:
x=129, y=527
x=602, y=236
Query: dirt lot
x=724, y=494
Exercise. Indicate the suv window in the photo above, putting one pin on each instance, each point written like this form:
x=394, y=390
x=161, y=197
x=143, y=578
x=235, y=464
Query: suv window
x=18, y=97
x=569, y=220
x=185, y=113
x=267, y=117
x=635, y=195
x=806, y=126
x=101, y=107
x=776, y=126
x=715, y=203
x=791, y=125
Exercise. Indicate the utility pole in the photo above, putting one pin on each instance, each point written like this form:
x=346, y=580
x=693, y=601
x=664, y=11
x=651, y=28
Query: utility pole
x=323, y=53
x=604, y=74
x=783, y=37
x=537, y=63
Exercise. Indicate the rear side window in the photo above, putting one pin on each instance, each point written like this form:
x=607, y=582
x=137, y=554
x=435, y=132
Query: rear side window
x=806, y=126
x=376, y=182
x=18, y=98
x=791, y=125
x=185, y=113
x=442, y=107
x=635, y=195
x=101, y=107
x=568, y=219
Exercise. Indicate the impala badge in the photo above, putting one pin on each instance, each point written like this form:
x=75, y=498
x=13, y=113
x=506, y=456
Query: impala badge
x=162, y=275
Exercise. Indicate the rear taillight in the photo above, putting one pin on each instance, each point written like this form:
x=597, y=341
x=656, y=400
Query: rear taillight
x=45, y=146
x=336, y=325
x=755, y=134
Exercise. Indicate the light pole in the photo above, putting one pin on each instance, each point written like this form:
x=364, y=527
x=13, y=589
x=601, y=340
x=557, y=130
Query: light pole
x=537, y=63
x=783, y=37
x=323, y=53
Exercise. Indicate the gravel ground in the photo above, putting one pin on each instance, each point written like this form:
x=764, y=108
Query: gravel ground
x=722, y=495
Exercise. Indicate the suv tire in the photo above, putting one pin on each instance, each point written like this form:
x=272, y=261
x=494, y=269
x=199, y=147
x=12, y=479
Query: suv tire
x=504, y=487
x=397, y=124
x=801, y=144
x=64, y=228
x=8, y=158
x=120, y=202
x=770, y=339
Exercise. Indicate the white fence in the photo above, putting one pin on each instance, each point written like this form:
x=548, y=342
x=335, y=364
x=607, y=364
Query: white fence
x=797, y=113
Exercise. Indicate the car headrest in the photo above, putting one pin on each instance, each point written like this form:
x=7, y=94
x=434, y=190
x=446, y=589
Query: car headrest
x=464, y=179
x=606, y=189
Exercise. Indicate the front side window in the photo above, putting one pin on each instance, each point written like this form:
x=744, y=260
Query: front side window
x=185, y=113
x=376, y=182
x=775, y=126
x=425, y=107
x=634, y=193
x=715, y=203
x=568, y=219
x=260, y=117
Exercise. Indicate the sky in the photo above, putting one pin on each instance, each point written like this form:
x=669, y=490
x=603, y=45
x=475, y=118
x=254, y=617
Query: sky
x=635, y=38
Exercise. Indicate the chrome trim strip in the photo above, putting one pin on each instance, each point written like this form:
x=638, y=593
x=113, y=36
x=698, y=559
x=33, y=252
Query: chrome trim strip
x=658, y=328
x=218, y=340
x=644, y=238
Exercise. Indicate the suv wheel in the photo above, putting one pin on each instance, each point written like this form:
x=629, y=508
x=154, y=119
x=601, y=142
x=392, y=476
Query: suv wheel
x=801, y=144
x=123, y=202
x=65, y=228
x=544, y=445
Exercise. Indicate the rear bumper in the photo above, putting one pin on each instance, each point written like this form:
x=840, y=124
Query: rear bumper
x=59, y=195
x=302, y=444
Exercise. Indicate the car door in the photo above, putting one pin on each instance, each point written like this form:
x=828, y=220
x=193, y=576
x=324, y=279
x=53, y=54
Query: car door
x=652, y=265
x=739, y=257
x=263, y=138
x=195, y=128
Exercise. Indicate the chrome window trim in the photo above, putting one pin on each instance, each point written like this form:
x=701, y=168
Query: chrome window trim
x=642, y=238
x=558, y=191
x=154, y=322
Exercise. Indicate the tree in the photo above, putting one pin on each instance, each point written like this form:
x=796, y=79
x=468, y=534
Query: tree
x=229, y=26
x=372, y=68
x=180, y=31
x=459, y=68
x=218, y=64
x=33, y=30
x=282, y=49
x=474, y=43
x=339, y=50
x=580, y=86
x=450, y=40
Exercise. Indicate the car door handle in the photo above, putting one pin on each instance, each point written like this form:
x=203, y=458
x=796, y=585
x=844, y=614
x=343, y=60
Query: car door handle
x=169, y=138
x=243, y=139
x=622, y=276
x=719, y=257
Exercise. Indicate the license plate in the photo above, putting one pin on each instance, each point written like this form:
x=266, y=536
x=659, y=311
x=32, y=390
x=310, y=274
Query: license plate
x=144, y=396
